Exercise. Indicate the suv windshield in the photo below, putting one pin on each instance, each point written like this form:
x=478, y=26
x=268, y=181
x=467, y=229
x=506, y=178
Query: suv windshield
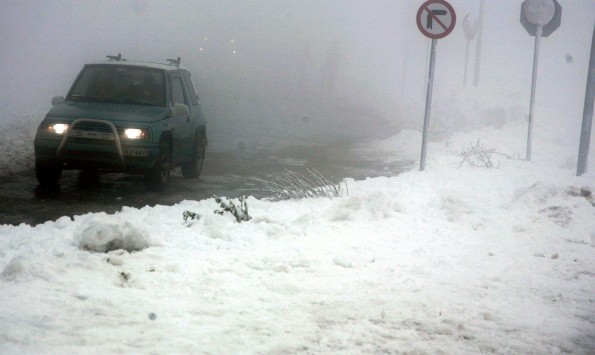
x=120, y=84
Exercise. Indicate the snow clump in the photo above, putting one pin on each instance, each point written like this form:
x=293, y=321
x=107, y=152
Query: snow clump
x=22, y=269
x=101, y=235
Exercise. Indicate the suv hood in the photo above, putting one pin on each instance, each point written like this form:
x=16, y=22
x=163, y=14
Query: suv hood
x=109, y=111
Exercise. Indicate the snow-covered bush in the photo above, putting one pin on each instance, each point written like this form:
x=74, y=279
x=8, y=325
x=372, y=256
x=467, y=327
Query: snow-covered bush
x=240, y=212
x=189, y=215
x=101, y=235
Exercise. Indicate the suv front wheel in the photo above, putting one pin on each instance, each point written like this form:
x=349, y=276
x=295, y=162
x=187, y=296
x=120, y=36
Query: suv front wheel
x=159, y=175
x=47, y=172
x=193, y=168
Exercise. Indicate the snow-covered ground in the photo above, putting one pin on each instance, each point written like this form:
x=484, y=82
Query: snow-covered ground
x=16, y=143
x=458, y=259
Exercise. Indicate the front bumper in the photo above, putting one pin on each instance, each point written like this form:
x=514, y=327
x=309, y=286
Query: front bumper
x=96, y=144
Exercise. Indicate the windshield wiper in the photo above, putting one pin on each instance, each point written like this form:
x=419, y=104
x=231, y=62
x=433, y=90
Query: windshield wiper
x=86, y=98
x=99, y=99
x=112, y=100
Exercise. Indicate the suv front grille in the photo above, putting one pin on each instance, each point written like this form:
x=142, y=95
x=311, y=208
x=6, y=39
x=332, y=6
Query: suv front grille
x=92, y=127
x=93, y=131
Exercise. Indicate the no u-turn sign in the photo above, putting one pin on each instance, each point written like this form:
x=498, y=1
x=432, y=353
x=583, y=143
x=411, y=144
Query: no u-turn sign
x=436, y=19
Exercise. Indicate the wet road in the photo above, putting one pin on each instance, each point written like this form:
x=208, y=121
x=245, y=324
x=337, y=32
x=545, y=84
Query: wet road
x=224, y=174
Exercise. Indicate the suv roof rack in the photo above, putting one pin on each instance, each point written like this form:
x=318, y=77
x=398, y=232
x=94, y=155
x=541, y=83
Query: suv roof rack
x=175, y=62
x=115, y=58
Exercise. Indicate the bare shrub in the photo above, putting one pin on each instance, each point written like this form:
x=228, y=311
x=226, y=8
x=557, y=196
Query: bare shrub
x=293, y=185
x=480, y=156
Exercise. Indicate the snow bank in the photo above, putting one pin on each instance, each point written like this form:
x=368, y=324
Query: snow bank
x=498, y=121
x=454, y=259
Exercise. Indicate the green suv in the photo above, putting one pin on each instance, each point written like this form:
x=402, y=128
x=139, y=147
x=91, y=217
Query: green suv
x=124, y=116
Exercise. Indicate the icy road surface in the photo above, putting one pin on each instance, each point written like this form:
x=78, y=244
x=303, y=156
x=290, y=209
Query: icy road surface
x=224, y=174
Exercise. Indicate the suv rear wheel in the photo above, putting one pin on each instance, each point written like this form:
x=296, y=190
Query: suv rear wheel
x=193, y=168
x=47, y=172
x=159, y=175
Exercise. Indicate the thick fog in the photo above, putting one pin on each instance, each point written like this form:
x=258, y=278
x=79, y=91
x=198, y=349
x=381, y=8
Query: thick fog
x=280, y=71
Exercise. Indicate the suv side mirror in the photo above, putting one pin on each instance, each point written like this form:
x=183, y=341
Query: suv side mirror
x=180, y=110
x=57, y=100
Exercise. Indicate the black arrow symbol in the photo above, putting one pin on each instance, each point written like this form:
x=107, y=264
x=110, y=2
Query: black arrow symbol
x=432, y=14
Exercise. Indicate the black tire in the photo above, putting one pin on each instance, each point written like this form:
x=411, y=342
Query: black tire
x=193, y=168
x=158, y=177
x=48, y=172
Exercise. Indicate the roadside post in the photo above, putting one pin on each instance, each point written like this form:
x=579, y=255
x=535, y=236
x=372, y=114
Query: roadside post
x=583, y=151
x=478, y=46
x=435, y=19
x=540, y=18
x=470, y=32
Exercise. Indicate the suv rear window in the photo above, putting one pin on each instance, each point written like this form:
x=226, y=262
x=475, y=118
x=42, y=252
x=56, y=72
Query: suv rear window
x=120, y=84
x=190, y=86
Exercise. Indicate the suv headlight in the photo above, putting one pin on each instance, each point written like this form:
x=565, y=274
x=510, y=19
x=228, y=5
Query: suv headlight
x=135, y=133
x=56, y=128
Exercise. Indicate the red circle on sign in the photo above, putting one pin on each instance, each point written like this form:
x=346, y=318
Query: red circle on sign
x=424, y=10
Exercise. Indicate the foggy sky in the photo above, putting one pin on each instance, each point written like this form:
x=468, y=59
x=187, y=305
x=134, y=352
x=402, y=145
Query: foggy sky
x=281, y=61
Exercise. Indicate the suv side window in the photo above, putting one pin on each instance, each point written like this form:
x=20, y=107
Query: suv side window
x=190, y=86
x=177, y=93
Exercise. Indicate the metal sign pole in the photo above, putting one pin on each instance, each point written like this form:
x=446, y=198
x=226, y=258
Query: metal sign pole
x=424, y=141
x=470, y=32
x=583, y=152
x=478, y=46
x=533, y=87
x=435, y=19
x=466, y=62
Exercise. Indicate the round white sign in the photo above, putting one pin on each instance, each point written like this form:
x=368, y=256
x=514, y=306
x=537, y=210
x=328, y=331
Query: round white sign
x=539, y=12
